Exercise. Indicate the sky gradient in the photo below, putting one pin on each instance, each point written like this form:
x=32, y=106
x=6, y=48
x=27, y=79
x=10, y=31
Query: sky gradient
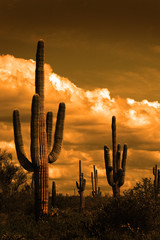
x=103, y=59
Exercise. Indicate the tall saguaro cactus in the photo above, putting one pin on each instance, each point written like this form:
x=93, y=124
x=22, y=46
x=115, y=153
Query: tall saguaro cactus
x=115, y=173
x=156, y=173
x=41, y=132
x=81, y=187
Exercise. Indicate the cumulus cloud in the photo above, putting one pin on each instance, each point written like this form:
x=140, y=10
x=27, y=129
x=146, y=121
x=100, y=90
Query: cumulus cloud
x=87, y=124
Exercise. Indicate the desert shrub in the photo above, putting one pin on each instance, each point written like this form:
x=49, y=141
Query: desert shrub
x=135, y=213
x=15, y=191
x=64, y=202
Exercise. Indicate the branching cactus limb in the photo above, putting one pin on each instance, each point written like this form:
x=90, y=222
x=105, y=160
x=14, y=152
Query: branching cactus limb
x=58, y=136
x=41, y=134
x=26, y=164
x=116, y=172
x=81, y=187
x=156, y=173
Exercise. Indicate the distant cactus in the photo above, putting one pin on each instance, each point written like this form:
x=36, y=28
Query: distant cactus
x=53, y=194
x=156, y=173
x=81, y=187
x=94, y=181
x=115, y=173
x=99, y=192
x=41, y=131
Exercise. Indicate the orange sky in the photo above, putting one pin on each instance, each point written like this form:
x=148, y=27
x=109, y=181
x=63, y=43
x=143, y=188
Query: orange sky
x=87, y=124
x=103, y=60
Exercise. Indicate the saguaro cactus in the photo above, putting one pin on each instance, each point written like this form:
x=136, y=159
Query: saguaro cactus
x=94, y=181
x=41, y=132
x=81, y=187
x=53, y=194
x=156, y=173
x=115, y=173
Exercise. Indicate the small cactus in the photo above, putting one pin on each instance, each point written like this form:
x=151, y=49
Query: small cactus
x=94, y=181
x=115, y=173
x=99, y=192
x=81, y=187
x=156, y=173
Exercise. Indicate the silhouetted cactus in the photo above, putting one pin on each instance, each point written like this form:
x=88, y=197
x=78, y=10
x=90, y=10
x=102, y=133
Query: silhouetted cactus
x=81, y=187
x=94, y=181
x=115, y=173
x=41, y=131
x=53, y=194
x=156, y=173
x=99, y=192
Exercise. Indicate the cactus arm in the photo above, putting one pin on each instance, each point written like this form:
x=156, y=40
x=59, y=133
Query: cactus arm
x=155, y=170
x=77, y=185
x=92, y=181
x=121, y=172
x=124, y=157
x=118, y=156
x=109, y=169
x=97, y=180
x=96, y=183
x=80, y=173
x=114, y=146
x=35, y=130
x=83, y=184
x=58, y=137
x=26, y=164
x=49, y=121
x=120, y=177
x=107, y=157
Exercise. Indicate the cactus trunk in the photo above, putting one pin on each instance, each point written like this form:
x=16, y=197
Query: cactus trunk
x=82, y=201
x=41, y=174
x=116, y=190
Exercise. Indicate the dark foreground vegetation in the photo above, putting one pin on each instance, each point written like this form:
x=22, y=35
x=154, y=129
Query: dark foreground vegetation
x=135, y=215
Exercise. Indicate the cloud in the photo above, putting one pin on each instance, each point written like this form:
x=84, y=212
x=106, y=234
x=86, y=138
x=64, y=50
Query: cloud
x=87, y=124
